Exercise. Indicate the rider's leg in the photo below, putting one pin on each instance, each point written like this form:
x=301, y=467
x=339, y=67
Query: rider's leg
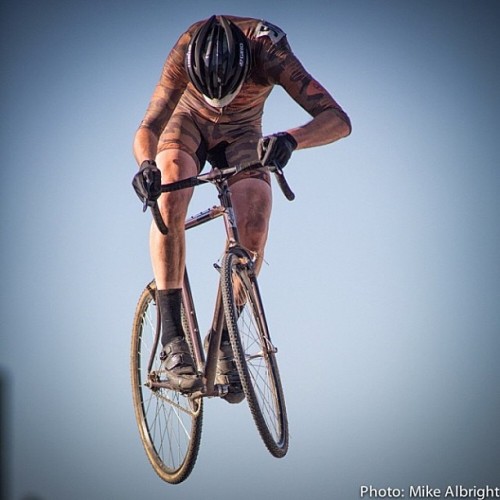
x=252, y=200
x=252, y=203
x=168, y=252
x=168, y=260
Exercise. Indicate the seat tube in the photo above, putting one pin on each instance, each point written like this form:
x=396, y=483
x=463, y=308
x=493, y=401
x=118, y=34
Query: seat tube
x=229, y=215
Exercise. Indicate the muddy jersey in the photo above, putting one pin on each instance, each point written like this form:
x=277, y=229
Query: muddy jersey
x=181, y=118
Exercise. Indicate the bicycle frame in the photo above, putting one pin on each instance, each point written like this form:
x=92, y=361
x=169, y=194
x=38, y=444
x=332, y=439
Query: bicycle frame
x=207, y=368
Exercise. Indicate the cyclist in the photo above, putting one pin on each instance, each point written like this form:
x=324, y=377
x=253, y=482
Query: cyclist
x=208, y=105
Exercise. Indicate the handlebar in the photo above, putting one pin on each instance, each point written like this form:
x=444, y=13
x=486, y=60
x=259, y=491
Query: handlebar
x=214, y=176
x=217, y=175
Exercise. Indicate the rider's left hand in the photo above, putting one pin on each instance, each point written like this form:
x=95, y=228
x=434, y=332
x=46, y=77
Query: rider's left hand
x=276, y=149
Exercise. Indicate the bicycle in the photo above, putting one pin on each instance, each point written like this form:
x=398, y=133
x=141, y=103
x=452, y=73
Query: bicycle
x=169, y=421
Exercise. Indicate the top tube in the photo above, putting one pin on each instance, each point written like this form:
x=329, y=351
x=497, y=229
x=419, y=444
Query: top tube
x=217, y=176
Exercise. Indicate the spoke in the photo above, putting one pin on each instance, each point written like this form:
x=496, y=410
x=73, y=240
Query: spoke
x=266, y=393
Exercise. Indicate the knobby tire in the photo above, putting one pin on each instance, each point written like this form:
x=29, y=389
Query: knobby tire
x=253, y=352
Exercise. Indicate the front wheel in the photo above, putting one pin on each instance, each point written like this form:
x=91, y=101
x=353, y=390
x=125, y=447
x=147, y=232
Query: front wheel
x=254, y=352
x=169, y=422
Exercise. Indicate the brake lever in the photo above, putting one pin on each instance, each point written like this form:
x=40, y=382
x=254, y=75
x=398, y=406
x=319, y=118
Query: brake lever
x=160, y=224
x=149, y=201
x=282, y=182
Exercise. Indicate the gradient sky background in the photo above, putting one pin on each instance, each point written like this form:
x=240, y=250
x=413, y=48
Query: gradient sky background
x=383, y=284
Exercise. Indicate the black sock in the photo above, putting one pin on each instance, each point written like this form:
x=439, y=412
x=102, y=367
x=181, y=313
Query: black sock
x=169, y=302
x=224, y=335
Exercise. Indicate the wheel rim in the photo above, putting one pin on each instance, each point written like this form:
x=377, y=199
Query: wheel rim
x=169, y=422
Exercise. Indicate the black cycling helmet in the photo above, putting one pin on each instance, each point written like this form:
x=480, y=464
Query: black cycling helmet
x=218, y=60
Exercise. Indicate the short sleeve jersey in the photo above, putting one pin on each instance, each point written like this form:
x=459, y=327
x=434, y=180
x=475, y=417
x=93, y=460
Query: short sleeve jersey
x=273, y=63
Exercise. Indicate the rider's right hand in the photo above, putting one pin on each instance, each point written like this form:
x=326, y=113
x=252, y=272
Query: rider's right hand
x=147, y=183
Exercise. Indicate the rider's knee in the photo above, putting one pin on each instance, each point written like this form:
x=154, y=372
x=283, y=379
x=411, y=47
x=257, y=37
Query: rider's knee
x=254, y=233
x=173, y=210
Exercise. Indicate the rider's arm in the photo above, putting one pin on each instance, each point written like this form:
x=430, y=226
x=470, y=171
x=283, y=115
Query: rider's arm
x=329, y=121
x=324, y=128
x=160, y=109
x=165, y=97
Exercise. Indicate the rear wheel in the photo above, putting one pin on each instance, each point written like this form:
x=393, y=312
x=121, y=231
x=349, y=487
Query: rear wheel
x=254, y=352
x=169, y=422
